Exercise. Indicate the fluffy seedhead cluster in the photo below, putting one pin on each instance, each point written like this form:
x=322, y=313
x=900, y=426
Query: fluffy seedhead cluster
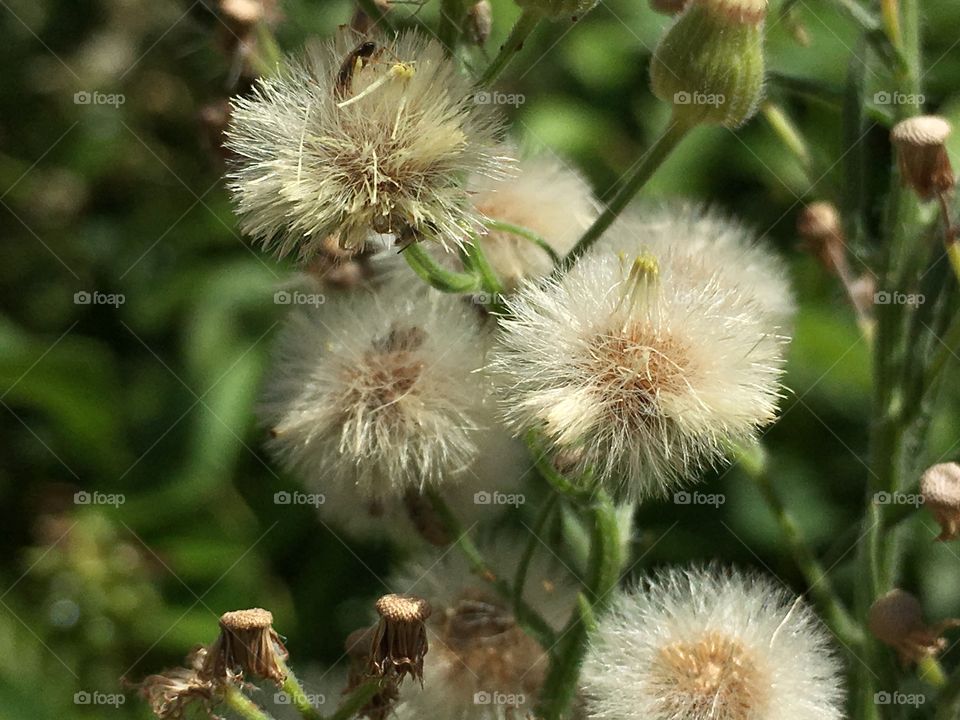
x=640, y=367
x=361, y=137
x=710, y=645
x=378, y=392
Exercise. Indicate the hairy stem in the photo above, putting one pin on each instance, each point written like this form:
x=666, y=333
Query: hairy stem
x=528, y=618
x=511, y=46
x=527, y=234
x=298, y=696
x=356, y=700
x=437, y=276
x=242, y=705
x=635, y=179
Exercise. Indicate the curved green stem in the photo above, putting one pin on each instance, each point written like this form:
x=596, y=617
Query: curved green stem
x=636, y=179
x=528, y=618
x=520, y=578
x=437, y=276
x=527, y=234
x=511, y=46
x=818, y=582
x=560, y=685
x=452, y=13
x=242, y=705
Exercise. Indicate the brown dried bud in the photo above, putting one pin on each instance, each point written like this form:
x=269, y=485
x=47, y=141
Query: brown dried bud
x=169, y=693
x=922, y=154
x=247, y=644
x=669, y=7
x=940, y=488
x=896, y=619
x=819, y=227
x=400, y=641
x=479, y=22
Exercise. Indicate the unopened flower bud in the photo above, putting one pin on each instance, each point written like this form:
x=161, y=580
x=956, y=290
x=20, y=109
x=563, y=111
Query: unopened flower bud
x=559, y=9
x=247, y=644
x=479, y=22
x=710, y=63
x=819, y=226
x=896, y=619
x=922, y=154
x=940, y=488
x=400, y=640
x=669, y=7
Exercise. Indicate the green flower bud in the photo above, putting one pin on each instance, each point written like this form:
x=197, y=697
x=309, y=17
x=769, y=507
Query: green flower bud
x=559, y=9
x=710, y=65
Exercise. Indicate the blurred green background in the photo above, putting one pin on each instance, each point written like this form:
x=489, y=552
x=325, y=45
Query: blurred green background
x=153, y=398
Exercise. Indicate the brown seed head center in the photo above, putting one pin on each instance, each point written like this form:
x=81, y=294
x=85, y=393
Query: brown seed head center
x=713, y=677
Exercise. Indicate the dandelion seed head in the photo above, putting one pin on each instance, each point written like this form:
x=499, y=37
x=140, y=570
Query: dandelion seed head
x=705, y=644
x=376, y=393
x=644, y=369
x=381, y=145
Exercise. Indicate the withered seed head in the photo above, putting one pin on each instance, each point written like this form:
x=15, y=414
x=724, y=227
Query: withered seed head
x=940, y=488
x=400, y=640
x=922, y=153
x=169, y=693
x=820, y=228
x=247, y=644
x=896, y=619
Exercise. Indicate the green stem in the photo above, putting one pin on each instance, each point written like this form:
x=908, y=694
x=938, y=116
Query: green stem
x=636, y=179
x=511, y=46
x=242, y=705
x=437, y=276
x=356, y=700
x=528, y=618
x=476, y=262
x=560, y=685
x=818, y=582
x=874, y=32
x=520, y=578
x=527, y=234
x=452, y=14
x=298, y=696
x=790, y=135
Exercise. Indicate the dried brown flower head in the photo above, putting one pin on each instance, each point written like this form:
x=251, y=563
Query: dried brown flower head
x=247, y=644
x=169, y=693
x=400, y=640
x=922, y=153
x=819, y=226
x=940, y=488
x=896, y=619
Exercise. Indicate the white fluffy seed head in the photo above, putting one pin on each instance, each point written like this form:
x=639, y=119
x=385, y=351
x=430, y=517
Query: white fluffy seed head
x=378, y=392
x=710, y=244
x=706, y=644
x=544, y=196
x=337, y=142
x=644, y=369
